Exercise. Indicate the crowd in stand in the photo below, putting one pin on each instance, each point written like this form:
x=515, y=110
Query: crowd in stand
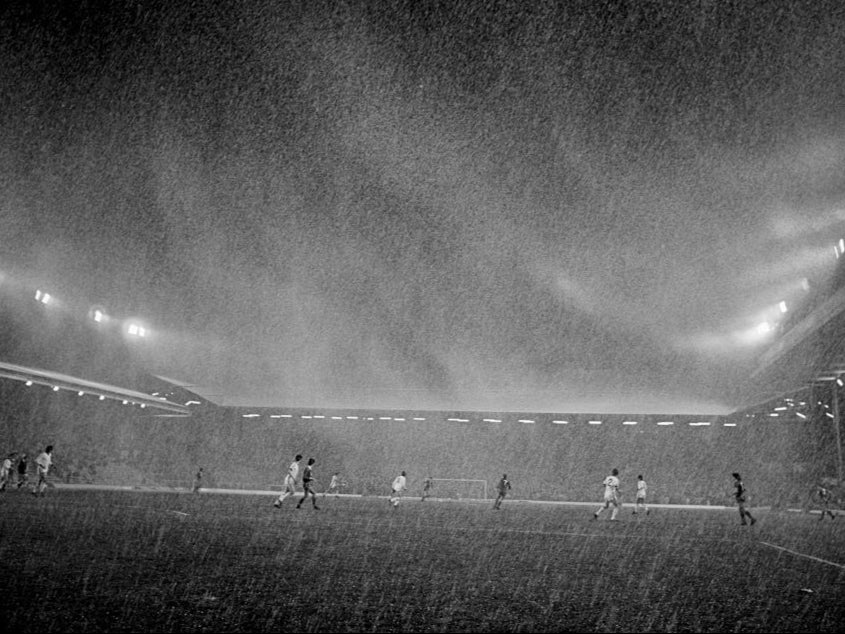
x=102, y=443
x=541, y=466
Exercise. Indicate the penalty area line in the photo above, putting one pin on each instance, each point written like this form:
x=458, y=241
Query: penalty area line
x=797, y=554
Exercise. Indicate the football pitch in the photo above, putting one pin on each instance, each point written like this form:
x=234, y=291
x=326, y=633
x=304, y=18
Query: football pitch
x=122, y=561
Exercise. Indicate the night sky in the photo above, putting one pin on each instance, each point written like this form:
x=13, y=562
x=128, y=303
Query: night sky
x=531, y=206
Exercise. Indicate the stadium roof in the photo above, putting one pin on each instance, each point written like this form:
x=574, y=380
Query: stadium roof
x=67, y=382
x=811, y=351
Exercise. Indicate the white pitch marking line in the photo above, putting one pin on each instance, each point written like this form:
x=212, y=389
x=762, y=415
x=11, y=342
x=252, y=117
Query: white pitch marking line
x=797, y=554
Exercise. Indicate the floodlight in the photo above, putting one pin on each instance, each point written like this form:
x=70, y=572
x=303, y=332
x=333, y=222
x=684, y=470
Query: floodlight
x=839, y=382
x=81, y=393
x=43, y=297
x=800, y=415
x=102, y=398
x=55, y=388
x=29, y=383
x=98, y=314
x=136, y=328
x=782, y=307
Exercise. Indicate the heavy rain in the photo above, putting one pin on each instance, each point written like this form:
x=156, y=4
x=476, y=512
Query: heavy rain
x=473, y=241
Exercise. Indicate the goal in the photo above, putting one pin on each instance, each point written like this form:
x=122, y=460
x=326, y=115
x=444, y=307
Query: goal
x=458, y=489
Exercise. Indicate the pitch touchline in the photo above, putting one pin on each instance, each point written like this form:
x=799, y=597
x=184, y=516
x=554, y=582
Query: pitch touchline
x=797, y=554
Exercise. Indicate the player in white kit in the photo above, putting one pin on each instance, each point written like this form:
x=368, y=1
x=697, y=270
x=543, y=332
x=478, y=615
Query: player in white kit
x=399, y=485
x=44, y=461
x=290, y=481
x=642, y=489
x=611, y=495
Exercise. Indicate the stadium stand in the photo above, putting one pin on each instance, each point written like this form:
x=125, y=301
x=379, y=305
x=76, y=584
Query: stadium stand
x=689, y=461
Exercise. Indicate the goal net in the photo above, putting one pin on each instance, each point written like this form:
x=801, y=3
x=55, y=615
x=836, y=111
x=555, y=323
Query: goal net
x=458, y=489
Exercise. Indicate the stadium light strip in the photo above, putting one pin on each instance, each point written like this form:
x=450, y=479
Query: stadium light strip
x=800, y=415
x=700, y=423
x=399, y=419
x=492, y=420
x=666, y=422
x=526, y=420
x=57, y=382
x=594, y=422
x=458, y=420
x=337, y=417
x=318, y=416
x=306, y=416
x=728, y=424
x=629, y=422
x=385, y=418
x=250, y=415
x=418, y=418
x=560, y=422
x=351, y=418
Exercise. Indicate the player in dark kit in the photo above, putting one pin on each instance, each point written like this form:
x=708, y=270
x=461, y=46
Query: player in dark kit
x=739, y=494
x=426, y=488
x=23, y=475
x=825, y=497
x=307, y=480
x=503, y=487
x=197, y=482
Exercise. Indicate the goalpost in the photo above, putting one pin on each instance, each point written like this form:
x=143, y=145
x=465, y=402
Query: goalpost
x=458, y=488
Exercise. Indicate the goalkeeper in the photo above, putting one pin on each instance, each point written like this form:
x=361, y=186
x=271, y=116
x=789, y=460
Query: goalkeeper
x=503, y=487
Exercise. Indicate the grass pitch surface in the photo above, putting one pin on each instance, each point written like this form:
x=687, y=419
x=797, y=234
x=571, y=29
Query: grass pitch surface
x=87, y=561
